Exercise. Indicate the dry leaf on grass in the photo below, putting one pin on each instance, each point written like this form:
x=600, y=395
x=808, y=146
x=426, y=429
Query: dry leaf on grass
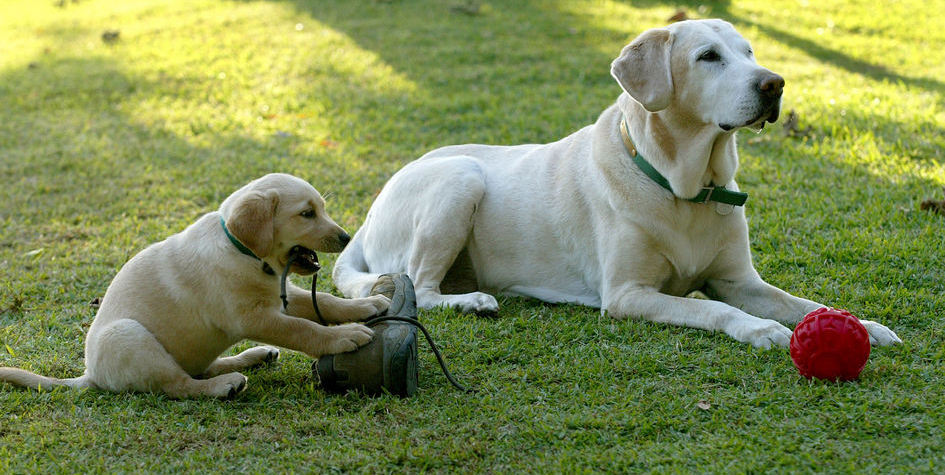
x=680, y=15
x=792, y=126
x=935, y=206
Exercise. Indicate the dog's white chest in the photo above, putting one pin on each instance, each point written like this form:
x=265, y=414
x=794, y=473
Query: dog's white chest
x=690, y=253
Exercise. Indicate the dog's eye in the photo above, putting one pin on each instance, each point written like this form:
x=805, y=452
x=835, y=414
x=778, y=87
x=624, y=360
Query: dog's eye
x=309, y=213
x=710, y=56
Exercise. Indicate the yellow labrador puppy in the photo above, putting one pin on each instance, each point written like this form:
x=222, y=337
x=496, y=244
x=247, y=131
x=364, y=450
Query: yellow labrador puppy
x=174, y=307
x=628, y=214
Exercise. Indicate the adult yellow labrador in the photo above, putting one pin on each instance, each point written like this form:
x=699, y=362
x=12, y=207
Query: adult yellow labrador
x=175, y=306
x=628, y=214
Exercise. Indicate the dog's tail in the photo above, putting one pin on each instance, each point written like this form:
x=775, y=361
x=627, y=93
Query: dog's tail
x=27, y=379
x=351, y=273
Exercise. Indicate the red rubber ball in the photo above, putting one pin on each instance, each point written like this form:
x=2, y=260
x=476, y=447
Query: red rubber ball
x=830, y=344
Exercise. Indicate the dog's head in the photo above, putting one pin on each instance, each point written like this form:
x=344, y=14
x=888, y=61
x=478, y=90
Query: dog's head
x=277, y=212
x=702, y=69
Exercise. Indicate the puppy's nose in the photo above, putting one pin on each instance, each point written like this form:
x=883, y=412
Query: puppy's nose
x=771, y=85
x=344, y=239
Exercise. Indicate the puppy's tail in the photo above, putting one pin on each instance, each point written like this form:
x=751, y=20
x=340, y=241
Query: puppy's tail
x=27, y=379
x=351, y=273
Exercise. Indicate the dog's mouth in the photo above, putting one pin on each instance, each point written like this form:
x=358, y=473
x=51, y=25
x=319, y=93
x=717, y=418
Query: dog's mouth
x=771, y=115
x=303, y=261
x=757, y=123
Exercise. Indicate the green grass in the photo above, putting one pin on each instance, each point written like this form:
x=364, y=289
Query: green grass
x=105, y=148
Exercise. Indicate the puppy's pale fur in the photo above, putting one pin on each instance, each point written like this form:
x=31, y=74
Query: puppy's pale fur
x=178, y=304
x=578, y=221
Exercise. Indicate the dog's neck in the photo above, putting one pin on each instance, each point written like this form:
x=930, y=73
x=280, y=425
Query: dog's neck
x=690, y=156
x=239, y=246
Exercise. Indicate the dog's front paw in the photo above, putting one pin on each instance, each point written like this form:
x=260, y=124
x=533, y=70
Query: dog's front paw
x=880, y=335
x=478, y=303
x=367, y=308
x=348, y=337
x=376, y=304
x=766, y=334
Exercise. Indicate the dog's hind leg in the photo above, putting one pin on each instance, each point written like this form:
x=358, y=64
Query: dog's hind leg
x=251, y=358
x=454, y=187
x=123, y=355
x=351, y=273
x=419, y=224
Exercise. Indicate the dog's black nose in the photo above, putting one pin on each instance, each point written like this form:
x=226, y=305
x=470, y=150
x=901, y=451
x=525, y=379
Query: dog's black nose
x=771, y=85
x=344, y=239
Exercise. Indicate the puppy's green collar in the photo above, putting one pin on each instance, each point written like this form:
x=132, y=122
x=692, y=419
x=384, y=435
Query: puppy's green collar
x=266, y=268
x=708, y=193
x=236, y=242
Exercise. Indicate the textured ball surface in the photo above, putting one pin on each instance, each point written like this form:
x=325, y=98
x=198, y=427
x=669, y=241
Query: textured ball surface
x=830, y=344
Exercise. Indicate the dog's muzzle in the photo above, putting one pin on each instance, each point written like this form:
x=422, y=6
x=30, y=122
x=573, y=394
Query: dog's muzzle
x=771, y=87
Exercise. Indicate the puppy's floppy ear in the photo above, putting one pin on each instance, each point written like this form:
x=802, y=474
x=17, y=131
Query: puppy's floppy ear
x=251, y=221
x=643, y=69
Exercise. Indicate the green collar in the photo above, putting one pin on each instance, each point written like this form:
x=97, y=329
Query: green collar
x=236, y=242
x=709, y=193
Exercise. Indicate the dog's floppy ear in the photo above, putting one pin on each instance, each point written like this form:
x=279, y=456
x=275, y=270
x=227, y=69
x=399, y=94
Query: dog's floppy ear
x=251, y=221
x=643, y=69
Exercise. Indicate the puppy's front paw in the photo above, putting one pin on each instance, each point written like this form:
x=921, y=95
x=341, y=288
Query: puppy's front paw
x=880, y=335
x=378, y=304
x=366, y=308
x=348, y=337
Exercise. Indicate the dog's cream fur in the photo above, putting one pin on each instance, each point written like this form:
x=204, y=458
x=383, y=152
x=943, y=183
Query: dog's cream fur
x=577, y=221
x=178, y=304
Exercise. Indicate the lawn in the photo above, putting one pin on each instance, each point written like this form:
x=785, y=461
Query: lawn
x=108, y=144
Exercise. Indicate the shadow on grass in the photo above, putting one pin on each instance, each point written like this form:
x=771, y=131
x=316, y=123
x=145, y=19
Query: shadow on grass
x=502, y=64
x=820, y=51
x=849, y=63
x=501, y=67
x=502, y=85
